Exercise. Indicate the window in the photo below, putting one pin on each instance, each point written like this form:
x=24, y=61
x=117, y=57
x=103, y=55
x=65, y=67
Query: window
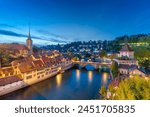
x=29, y=77
x=6, y=74
x=11, y=73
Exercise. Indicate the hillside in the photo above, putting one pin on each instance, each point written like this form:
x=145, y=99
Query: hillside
x=134, y=38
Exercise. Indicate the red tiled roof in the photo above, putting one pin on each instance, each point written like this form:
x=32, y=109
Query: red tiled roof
x=45, y=59
x=36, y=55
x=15, y=62
x=38, y=64
x=123, y=66
x=126, y=47
x=9, y=80
x=25, y=67
x=28, y=64
x=50, y=54
x=7, y=70
x=15, y=46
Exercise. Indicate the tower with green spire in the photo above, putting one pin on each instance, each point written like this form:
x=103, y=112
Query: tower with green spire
x=29, y=43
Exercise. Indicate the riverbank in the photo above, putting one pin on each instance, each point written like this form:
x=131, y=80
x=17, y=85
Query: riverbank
x=73, y=84
x=6, y=86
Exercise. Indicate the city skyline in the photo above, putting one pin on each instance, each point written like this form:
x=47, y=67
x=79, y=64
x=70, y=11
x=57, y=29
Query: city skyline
x=57, y=21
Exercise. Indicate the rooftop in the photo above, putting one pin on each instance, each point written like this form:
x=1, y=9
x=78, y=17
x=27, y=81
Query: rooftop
x=14, y=46
x=130, y=67
x=126, y=47
x=9, y=80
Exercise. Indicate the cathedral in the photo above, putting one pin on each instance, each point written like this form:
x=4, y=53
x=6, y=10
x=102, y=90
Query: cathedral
x=17, y=50
x=24, y=50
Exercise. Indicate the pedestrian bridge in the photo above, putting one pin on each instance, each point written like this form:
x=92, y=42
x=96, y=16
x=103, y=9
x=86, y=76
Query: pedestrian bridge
x=96, y=65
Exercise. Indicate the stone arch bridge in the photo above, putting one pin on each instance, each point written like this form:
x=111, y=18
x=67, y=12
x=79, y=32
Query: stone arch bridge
x=96, y=65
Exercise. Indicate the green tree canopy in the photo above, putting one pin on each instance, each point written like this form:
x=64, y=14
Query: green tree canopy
x=103, y=54
x=136, y=88
x=115, y=69
x=103, y=91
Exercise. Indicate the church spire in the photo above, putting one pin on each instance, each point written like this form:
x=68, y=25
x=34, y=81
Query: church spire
x=29, y=36
x=29, y=43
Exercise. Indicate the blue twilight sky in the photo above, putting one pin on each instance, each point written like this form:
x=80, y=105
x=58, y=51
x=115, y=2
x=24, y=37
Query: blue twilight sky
x=63, y=21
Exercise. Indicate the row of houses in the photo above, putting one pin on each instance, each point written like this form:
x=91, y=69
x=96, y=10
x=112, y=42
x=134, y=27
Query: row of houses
x=38, y=65
x=131, y=70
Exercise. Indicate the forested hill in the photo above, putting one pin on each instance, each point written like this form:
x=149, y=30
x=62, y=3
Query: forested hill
x=140, y=38
x=140, y=43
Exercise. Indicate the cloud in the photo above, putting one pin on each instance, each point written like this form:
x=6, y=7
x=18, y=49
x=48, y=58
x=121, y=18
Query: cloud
x=58, y=38
x=57, y=41
x=11, y=33
x=8, y=26
x=49, y=33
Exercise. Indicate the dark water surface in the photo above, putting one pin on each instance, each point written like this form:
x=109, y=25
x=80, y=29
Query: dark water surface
x=73, y=84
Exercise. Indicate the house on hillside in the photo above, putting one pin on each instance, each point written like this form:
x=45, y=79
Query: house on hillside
x=137, y=71
x=126, y=56
x=126, y=52
x=130, y=70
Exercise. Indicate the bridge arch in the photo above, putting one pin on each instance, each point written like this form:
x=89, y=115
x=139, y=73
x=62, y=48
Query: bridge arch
x=104, y=68
x=89, y=67
x=96, y=65
x=78, y=66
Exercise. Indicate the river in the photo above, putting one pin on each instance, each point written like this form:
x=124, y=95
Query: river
x=73, y=84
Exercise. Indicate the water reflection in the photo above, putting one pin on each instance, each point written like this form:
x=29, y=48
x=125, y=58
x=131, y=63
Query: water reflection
x=104, y=78
x=72, y=84
x=78, y=74
x=59, y=80
x=90, y=75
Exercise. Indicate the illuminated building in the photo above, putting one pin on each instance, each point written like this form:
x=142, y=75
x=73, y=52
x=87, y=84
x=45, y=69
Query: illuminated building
x=126, y=51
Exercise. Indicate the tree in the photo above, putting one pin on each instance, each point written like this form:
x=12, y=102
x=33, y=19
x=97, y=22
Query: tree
x=88, y=55
x=103, y=91
x=115, y=69
x=103, y=54
x=75, y=59
x=134, y=88
x=112, y=90
x=146, y=63
x=70, y=55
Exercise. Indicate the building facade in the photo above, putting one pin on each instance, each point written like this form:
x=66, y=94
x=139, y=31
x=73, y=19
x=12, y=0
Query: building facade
x=127, y=62
x=137, y=72
x=126, y=52
x=126, y=56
